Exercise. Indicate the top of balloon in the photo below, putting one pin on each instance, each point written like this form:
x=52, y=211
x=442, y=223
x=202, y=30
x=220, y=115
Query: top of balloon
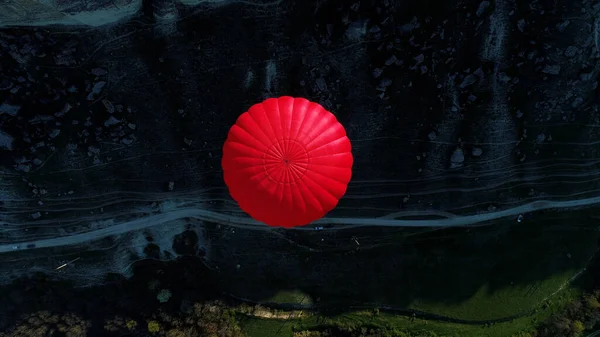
x=287, y=161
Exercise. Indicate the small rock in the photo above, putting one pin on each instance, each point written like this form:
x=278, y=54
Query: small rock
x=479, y=72
x=577, y=102
x=96, y=90
x=386, y=82
x=586, y=76
x=541, y=138
x=171, y=185
x=420, y=58
x=93, y=150
x=64, y=59
x=457, y=159
x=553, y=69
x=6, y=140
x=504, y=78
x=23, y=168
x=356, y=30
x=469, y=80
x=109, y=106
x=377, y=72
x=54, y=133
x=521, y=25
x=562, y=26
x=476, y=152
x=391, y=60
x=321, y=84
x=111, y=121
x=432, y=135
x=36, y=215
x=128, y=141
x=9, y=109
x=571, y=51
x=64, y=110
x=482, y=7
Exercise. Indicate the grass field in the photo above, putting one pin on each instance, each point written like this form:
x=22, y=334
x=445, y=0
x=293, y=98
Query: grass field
x=258, y=327
x=484, y=274
x=290, y=296
x=483, y=305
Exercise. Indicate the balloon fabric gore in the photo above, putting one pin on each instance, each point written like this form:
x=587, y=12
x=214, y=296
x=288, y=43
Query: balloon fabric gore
x=287, y=161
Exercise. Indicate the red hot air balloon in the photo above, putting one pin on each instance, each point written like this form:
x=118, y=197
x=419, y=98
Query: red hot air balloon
x=287, y=161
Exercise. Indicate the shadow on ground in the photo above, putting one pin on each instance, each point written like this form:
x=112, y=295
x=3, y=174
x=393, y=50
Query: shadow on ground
x=512, y=265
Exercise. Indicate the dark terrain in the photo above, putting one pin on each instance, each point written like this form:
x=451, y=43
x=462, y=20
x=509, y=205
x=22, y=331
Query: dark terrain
x=454, y=109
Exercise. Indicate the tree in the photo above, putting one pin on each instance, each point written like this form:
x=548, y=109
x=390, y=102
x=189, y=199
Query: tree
x=153, y=326
x=577, y=327
x=43, y=323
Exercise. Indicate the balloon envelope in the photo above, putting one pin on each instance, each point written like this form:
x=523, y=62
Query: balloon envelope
x=287, y=161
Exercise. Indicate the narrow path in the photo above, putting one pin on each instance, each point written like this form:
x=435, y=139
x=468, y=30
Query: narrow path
x=244, y=222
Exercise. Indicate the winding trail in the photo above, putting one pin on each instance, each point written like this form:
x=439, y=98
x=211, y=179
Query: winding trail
x=248, y=223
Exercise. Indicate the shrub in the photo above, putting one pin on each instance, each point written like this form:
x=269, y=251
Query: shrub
x=153, y=326
x=164, y=295
x=131, y=324
x=578, y=327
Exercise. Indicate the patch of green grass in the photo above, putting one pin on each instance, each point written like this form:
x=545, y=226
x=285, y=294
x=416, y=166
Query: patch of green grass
x=526, y=323
x=483, y=274
x=258, y=327
x=290, y=296
x=262, y=327
x=504, y=302
x=551, y=260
